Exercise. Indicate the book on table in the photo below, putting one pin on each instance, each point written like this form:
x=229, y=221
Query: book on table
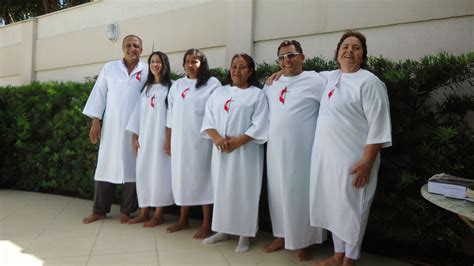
x=450, y=186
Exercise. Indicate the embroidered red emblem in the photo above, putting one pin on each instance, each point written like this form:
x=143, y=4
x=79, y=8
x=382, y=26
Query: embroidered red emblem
x=227, y=105
x=138, y=76
x=152, y=102
x=183, y=94
x=283, y=95
x=331, y=92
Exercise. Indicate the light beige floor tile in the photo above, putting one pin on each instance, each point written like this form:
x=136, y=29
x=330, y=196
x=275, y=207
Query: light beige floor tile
x=181, y=240
x=195, y=264
x=60, y=247
x=49, y=202
x=275, y=264
x=62, y=230
x=32, y=216
x=256, y=256
x=14, y=231
x=124, y=242
x=132, y=259
x=70, y=261
x=37, y=229
x=206, y=256
x=7, y=210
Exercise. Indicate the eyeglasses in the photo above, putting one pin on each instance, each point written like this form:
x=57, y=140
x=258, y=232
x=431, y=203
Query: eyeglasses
x=287, y=56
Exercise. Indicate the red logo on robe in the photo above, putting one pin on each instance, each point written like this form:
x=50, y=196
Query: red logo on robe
x=283, y=95
x=227, y=105
x=138, y=76
x=183, y=94
x=152, y=102
x=331, y=92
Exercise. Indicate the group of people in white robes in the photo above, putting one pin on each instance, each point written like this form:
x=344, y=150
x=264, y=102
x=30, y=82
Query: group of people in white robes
x=196, y=142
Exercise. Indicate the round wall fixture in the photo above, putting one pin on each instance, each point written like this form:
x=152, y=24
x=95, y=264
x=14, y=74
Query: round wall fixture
x=112, y=32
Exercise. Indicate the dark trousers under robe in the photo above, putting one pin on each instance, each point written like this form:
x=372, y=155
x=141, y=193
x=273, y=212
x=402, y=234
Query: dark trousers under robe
x=104, y=193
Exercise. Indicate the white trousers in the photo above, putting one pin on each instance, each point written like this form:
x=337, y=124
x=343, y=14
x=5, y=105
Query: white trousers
x=350, y=251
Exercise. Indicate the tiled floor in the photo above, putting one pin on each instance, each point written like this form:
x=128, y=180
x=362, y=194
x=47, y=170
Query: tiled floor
x=43, y=229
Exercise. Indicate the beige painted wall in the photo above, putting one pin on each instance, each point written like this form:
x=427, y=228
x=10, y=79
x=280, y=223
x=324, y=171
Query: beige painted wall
x=72, y=44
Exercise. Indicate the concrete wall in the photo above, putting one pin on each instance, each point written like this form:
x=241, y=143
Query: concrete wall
x=72, y=44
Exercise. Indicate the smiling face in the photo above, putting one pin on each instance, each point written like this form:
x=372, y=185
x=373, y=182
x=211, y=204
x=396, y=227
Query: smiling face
x=132, y=49
x=192, y=63
x=350, y=55
x=291, y=62
x=156, y=65
x=240, y=72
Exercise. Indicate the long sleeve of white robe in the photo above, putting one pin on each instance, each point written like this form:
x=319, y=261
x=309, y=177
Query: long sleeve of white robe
x=112, y=99
x=190, y=154
x=294, y=105
x=237, y=176
x=354, y=115
x=148, y=121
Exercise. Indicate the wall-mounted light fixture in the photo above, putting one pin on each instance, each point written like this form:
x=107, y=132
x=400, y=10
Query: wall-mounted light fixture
x=112, y=32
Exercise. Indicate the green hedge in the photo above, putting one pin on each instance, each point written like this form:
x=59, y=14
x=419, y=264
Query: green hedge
x=44, y=144
x=45, y=147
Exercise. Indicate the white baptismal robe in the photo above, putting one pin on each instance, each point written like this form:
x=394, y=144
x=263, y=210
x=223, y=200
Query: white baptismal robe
x=148, y=121
x=352, y=115
x=237, y=176
x=190, y=153
x=112, y=100
x=294, y=105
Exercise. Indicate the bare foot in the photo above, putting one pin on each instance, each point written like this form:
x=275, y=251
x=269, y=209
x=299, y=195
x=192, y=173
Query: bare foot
x=303, y=254
x=154, y=221
x=177, y=227
x=124, y=218
x=277, y=244
x=335, y=260
x=203, y=232
x=348, y=262
x=92, y=218
x=139, y=219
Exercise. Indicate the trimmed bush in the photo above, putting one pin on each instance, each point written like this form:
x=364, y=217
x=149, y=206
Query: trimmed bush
x=44, y=139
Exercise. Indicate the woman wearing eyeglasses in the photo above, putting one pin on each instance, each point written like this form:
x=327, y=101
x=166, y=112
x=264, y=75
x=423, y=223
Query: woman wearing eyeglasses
x=236, y=119
x=353, y=125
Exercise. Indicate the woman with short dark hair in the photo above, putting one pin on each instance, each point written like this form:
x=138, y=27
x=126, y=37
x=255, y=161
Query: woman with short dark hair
x=353, y=125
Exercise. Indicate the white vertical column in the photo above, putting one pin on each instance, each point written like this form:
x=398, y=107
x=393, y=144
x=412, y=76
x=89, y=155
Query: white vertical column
x=240, y=28
x=27, y=71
